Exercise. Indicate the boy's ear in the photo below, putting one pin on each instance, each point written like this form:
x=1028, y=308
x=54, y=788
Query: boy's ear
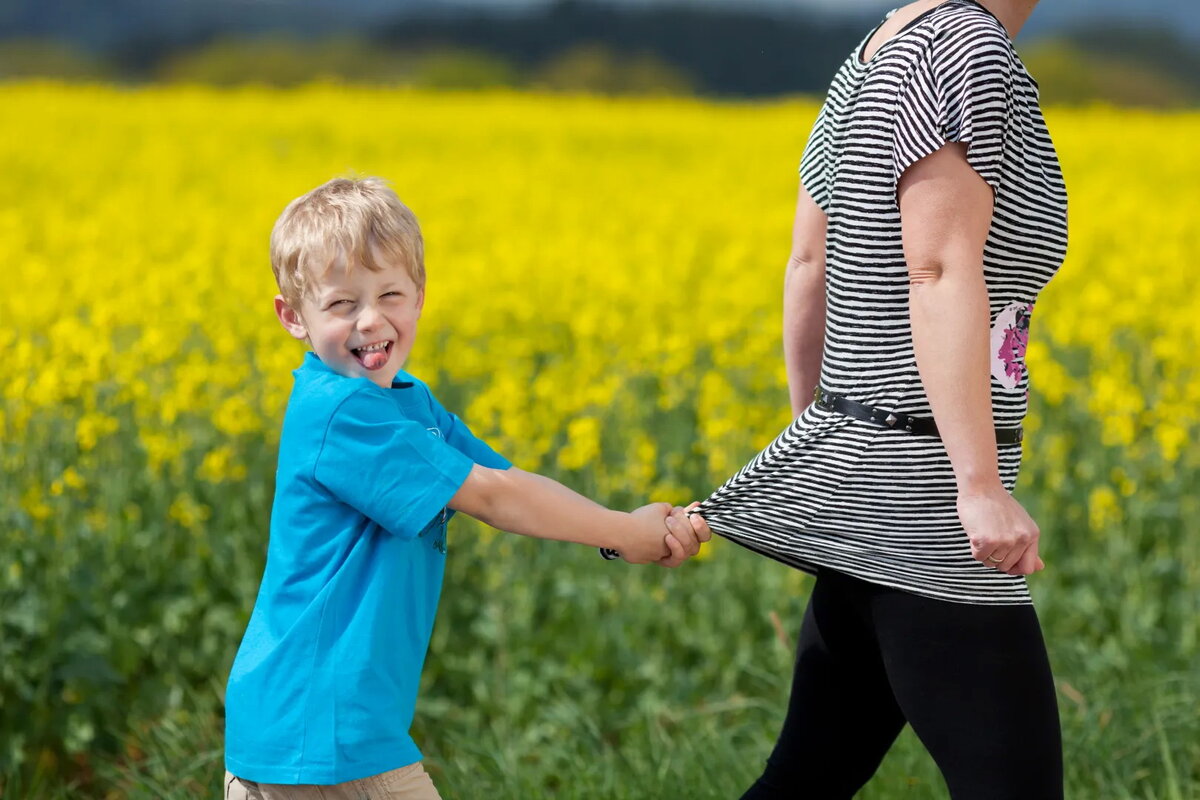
x=290, y=318
x=420, y=301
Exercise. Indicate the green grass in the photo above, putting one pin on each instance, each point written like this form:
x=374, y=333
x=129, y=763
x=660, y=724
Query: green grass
x=556, y=675
x=552, y=673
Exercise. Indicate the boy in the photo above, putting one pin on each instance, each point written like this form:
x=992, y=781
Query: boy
x=371, y=467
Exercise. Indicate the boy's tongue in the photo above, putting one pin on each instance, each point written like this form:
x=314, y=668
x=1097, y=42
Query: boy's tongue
x=374, y=359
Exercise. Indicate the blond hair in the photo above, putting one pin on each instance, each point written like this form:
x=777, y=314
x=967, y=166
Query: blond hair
x=349, y=221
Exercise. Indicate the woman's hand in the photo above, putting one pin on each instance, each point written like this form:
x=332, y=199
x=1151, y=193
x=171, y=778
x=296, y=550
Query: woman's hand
x=1002, y=534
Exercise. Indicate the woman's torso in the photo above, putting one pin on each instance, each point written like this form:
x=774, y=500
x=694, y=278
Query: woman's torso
x=874, y=502
x=868, y=346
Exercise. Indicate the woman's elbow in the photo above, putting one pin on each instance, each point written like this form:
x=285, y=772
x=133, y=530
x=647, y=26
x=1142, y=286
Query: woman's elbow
x=925, y=272
x=806, y=262
x=804, y=274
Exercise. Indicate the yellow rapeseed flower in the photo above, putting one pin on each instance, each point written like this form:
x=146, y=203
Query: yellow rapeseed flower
x=602, y=275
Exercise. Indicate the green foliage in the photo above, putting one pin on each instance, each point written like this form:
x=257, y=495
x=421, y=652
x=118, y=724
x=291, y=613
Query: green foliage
x=462, y=69
x=39, y=58
x=123, y=597
x=551, y=672
x=286, y=62
x=1123, y=68
x=282, y=62
x=1161, y=49
x=598, y=70
x=1069, y=75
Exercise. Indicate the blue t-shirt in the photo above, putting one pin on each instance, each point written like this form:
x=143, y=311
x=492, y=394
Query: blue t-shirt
x=323, y=686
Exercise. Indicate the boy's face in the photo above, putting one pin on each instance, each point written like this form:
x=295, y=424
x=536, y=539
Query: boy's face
x=360, y=324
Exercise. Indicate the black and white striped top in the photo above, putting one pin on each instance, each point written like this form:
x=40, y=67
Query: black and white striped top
x=874, y=502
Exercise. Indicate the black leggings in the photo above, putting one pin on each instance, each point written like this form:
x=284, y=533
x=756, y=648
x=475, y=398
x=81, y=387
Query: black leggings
x=973, y=681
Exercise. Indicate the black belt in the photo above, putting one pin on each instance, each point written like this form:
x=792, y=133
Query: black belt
x=896, y=419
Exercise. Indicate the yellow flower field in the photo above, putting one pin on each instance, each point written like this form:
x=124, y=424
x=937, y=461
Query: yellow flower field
x=576, y=247
x=603, y=303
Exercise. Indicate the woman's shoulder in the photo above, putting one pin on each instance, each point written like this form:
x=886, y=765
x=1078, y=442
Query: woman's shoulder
x=948, y=40
x=967, y=27
x=961, y=43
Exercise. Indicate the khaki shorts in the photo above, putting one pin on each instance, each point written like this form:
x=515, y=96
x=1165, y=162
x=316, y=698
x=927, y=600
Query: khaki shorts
x=406, y=783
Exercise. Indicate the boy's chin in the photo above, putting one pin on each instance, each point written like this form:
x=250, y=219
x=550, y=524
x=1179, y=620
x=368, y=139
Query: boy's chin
x=387, y=376
x=382, y=377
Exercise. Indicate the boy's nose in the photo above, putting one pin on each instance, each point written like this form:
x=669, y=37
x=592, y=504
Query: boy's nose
x=369, y=319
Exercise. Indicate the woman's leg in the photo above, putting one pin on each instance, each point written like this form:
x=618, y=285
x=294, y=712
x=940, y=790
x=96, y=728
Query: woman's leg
x=974, y=682
x=841, y=717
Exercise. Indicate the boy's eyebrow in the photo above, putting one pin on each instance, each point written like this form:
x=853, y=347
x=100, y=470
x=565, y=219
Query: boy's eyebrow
x=325, y=294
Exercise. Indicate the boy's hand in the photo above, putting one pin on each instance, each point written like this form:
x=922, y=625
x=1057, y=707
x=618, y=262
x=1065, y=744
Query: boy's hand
x=670, y=531
x=685, y=535
x=680, y=540
x=647, y=540
x=699, y=524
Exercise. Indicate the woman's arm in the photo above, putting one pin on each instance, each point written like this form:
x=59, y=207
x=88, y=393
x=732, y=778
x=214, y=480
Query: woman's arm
x=804, y=302
x=946, y=212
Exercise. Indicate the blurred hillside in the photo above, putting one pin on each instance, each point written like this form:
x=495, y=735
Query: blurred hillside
x=715, y=50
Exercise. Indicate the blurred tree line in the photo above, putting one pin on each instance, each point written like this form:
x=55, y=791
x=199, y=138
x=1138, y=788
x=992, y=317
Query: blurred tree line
x=589, y=47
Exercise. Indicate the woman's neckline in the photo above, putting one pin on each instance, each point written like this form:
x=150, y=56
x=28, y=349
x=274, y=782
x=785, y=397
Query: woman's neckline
x=912, y=23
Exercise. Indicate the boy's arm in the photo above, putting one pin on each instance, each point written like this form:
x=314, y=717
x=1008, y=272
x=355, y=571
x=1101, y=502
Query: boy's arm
x=534, y=505
x=460, y=437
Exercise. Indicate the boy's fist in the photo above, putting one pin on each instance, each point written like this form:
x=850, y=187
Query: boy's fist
x=688, y=532
x=646, y=542
x=663, y=534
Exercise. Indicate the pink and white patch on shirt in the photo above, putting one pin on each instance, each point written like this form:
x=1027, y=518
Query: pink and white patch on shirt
x=1010, y=338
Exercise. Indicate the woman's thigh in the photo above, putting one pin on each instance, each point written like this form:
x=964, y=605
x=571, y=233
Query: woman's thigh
x=975, y=684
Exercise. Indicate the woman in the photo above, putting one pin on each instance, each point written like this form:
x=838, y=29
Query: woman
x=931, y=213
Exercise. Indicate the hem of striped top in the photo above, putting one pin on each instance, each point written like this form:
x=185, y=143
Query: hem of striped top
x=813, y=567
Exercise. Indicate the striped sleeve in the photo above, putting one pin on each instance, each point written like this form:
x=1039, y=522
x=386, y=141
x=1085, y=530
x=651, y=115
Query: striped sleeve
x=959, y=90
x=814, y=166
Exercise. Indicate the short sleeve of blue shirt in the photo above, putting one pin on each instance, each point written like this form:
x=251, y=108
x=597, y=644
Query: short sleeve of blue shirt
x=390, y=469
x=459, y=436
